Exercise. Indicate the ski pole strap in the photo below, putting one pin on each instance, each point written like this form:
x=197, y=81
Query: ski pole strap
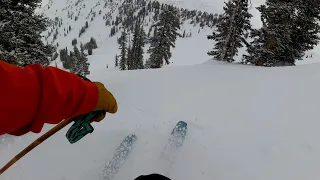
x=82, y=126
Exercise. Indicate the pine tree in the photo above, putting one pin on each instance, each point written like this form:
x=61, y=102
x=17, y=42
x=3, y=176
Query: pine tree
x=65, y=58
x=93, y=43
x=140, y=49
x=130, y=57
x=80, y=63
x=90, y=50
x=306, y=27
x=75, y=58
x=116, y=62
x=231, y=30
x=82, y=47
x=137, y=48
x=74, y=42
x=168, y=25
x=272, y=43
x=84, y=63
x=20, y=29
x=122, y=41
x=289, y=29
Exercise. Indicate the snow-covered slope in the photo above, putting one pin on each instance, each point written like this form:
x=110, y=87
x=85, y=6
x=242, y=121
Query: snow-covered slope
x=188, y=51
x=205, y=5
x=245, y=123
x=64, y=12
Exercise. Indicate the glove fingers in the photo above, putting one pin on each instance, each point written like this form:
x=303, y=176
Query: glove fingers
x=99, y=118
x=106, y=100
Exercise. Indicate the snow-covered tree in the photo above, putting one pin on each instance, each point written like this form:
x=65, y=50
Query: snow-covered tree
x=272, y=43
x=84, y=63
x=122, y=41
x=80, y=63
x=20, y=29
x=306, y=29
x=129, y=57
x=93, y=43
x=165, y=37
x=289, y=29
x=65, y=58
x=116, y=61
x=231, y=30
x=137, y=51
x=140, y=49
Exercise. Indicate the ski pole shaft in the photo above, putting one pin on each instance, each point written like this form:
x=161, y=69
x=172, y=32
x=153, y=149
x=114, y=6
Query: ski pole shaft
x=35, y=144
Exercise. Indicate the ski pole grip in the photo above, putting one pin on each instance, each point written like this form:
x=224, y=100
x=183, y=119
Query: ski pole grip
x=82, y=126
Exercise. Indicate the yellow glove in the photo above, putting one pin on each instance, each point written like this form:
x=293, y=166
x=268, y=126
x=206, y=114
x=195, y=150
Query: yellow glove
x=106, y=102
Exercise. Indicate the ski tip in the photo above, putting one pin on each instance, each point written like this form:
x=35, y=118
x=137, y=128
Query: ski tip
x=182, y=123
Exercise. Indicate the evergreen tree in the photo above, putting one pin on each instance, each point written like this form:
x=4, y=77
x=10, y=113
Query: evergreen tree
x=90, y=50
x=93, y=43
x=76, y=51
x=75, y=58
x=55, y=56
x=113, y=31
x=140, y=49
x=74, y=42
x=306, y=26
x=84, y=63
x=271, y=43
x=168, y=25
x=116, y=62
x=87, y=24
x=231, y=30
x=65, y=58
x=137, y=48
x=289, y=29
x=82, y=48
x=20, y=29
x=122, y=41
x=130, y=57
x=80, y=63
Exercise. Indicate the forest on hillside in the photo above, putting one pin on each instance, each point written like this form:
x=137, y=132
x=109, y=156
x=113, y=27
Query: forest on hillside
x=289, y=30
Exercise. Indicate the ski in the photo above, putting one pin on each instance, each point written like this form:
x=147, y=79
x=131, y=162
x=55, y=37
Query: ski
x=175, y=142
x=119, y=157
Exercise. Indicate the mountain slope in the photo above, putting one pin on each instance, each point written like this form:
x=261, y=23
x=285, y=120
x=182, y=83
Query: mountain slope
x=63, y=13
x=247, y=125
x=98, y=12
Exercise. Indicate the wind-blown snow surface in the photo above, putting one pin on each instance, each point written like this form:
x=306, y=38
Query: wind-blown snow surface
x=245, y=123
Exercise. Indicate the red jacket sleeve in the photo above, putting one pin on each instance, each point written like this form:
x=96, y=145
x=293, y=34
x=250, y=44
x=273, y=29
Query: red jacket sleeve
x=33, y=95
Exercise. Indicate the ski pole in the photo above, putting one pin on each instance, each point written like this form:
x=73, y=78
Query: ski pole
x=35, y=144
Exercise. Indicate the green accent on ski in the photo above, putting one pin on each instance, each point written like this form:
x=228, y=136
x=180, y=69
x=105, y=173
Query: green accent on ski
x=179, y=133
x=180, y=129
